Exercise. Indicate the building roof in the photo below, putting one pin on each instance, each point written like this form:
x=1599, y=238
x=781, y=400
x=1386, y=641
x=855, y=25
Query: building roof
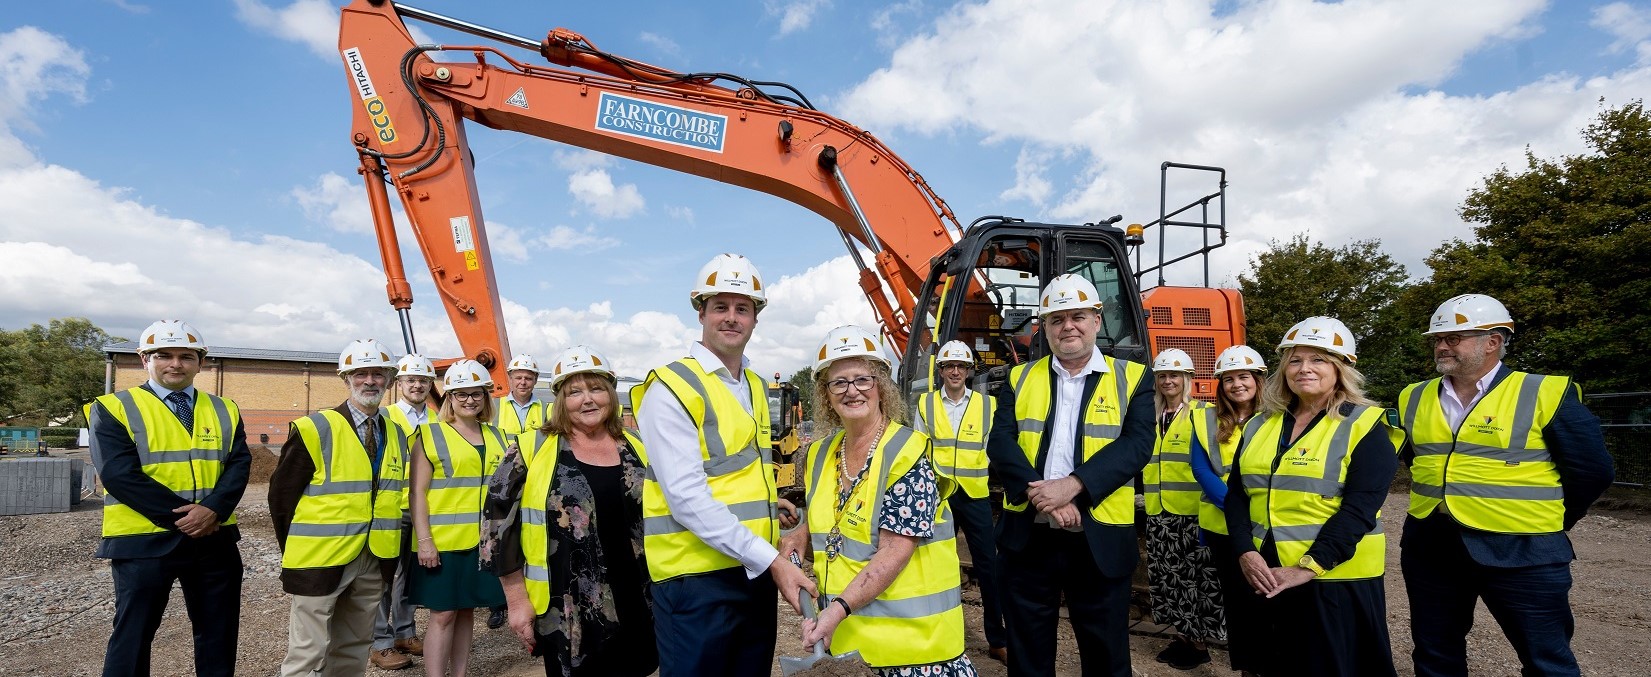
x=131, y=348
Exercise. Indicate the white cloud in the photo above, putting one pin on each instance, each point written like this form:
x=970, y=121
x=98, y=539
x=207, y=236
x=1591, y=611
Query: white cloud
x=35, y=64
x=680, y=213
x=1030, y=184
x=595, y=189
x=665, y=45
x=506, y=242
x=577, y=160
x=312, y=23
x=1630, y=25
x=1323, y=113
x=336, y=202
x=566, y=238
x=795, y=15
x=130, y=6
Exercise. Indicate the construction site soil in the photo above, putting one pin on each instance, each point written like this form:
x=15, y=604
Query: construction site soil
x=57, y=602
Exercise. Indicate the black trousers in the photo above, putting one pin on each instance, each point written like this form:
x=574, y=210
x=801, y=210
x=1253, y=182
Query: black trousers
x=1443, y=582
x=717, y=623
x=1246, y=642
x=1324, y=628
x=1056, y=563
x=210, y=575
x=974, y=519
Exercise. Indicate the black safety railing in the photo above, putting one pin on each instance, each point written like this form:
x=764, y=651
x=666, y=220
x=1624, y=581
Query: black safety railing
x=1207, y=225
x=1626, y=418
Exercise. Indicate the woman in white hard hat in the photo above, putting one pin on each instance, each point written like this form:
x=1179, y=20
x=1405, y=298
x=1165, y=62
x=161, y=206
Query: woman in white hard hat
x=1182, y=577
x=564, y=530
x=451, y=460
x=883, y=542
x=1307, y=486
x=1216, y=435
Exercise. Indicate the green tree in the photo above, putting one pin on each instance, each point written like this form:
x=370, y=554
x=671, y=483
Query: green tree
x=804, y=380
x=49, y=371
x=1566, y=245
x=1355, y=283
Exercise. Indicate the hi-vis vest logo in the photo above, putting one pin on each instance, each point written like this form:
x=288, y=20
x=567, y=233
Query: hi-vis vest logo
x=376, y=110
x=1300, y=456
x=658, y=122
x=1487, y=427
x=1101, y=406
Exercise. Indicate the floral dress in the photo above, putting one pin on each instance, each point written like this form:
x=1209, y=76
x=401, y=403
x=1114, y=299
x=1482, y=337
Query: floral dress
x=909, y=509
x=600, y=616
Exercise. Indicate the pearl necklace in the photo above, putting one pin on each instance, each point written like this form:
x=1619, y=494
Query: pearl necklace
x=846, y=487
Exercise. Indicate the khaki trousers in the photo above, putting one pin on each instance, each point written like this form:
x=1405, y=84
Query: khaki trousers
x=330, y=635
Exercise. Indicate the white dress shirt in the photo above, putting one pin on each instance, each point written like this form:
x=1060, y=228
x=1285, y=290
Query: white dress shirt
x=416, y=415
x=1455, y=409
x=672, y=440
x=1059, y=462
x=955, y=408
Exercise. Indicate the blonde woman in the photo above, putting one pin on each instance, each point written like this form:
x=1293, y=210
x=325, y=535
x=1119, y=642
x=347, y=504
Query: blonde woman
x=1185, y=589
x=451, y=460
x=882, y=539
x=1307, y=485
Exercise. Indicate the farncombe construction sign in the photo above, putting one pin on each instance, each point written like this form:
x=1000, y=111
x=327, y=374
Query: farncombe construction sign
x=659, y=122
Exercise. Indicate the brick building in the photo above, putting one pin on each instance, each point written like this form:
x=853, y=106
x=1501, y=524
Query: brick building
x=272, y=387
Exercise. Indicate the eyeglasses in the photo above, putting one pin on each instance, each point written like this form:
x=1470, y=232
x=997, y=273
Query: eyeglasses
x=468, y=397
x=954, y=365
x=1451, y=340
x=860, y=383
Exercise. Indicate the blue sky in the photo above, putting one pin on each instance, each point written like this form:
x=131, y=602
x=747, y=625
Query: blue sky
x=171, y=159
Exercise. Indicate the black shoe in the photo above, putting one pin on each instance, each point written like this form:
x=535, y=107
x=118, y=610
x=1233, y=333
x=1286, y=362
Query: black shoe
x=1173, y=651
x=496, y=619
x=1189, y=658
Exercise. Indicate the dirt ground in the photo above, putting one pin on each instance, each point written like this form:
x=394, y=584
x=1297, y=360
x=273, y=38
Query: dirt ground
x=56, y=604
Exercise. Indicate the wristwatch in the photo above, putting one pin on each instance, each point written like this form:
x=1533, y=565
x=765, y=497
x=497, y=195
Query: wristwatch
x=1310, y=565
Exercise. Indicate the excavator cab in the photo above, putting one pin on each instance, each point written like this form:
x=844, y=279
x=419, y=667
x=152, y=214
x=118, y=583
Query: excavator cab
x=983, y=291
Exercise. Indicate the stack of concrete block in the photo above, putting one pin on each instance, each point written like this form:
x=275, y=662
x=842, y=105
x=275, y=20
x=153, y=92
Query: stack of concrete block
x=36, y=485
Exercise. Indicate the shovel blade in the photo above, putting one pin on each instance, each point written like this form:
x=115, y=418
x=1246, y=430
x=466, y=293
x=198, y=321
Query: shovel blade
x=790, y=666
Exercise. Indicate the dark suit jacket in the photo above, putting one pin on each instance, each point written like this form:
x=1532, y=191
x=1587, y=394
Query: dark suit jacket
x=286, y=487
x=115, y=456
x=1577, y=444
x=1114, y=547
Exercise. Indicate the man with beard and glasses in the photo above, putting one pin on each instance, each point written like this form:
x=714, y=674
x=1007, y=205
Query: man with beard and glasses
x=336, y=500
x=1503, y=463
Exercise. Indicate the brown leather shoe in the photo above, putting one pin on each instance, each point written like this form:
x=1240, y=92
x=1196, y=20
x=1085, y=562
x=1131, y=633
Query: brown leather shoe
x=999, y=654
x=390, y=659
x=411, y=645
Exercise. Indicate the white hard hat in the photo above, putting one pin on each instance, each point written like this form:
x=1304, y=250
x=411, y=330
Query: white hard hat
x=1469, y=312
x=578, y=360
x=1239, y=358
x=728, y=274
x=523, y=362
x=364, y=354
x=955, y=351
x=1173, y=359
x=1325, y=333
x=465, y=374
x=1068, y=292
x=170, y=334
x=850, y=341
x=414, y=364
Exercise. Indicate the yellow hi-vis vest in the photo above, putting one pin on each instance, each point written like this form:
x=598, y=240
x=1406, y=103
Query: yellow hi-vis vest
x=1103, y=420
x=399, y=417
x=959, y=455
x=1167, y=479
x=918, y=619
x=541, y=477
x=458, y=485
x=1211, y=516
x=509, y=423
x=736, y=449
x=1294, y=501
x=1494, y=472
x=344, y=508
x=188, y=462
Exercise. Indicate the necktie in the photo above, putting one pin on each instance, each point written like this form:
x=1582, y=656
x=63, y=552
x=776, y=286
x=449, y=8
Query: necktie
x=369, y=436
x=184, y=409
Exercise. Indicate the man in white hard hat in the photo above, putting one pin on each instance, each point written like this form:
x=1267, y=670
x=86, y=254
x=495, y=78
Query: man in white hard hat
x=395, y=631
x=174, y=462
x=958, y=420
x=710, y=512
x=1503, y=463
x=522, y=410
x=336, y=500
x=1072, y=431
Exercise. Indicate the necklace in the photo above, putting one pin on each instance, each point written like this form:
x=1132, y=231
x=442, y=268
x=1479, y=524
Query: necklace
x=846, y=487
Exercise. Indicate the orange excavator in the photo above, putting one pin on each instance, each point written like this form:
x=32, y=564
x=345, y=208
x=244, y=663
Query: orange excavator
x=927, y=278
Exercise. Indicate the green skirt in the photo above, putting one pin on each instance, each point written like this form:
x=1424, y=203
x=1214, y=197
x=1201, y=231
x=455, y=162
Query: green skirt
x=455, y=585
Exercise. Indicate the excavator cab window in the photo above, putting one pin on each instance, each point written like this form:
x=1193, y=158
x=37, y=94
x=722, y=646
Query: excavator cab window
x=1096, y=260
